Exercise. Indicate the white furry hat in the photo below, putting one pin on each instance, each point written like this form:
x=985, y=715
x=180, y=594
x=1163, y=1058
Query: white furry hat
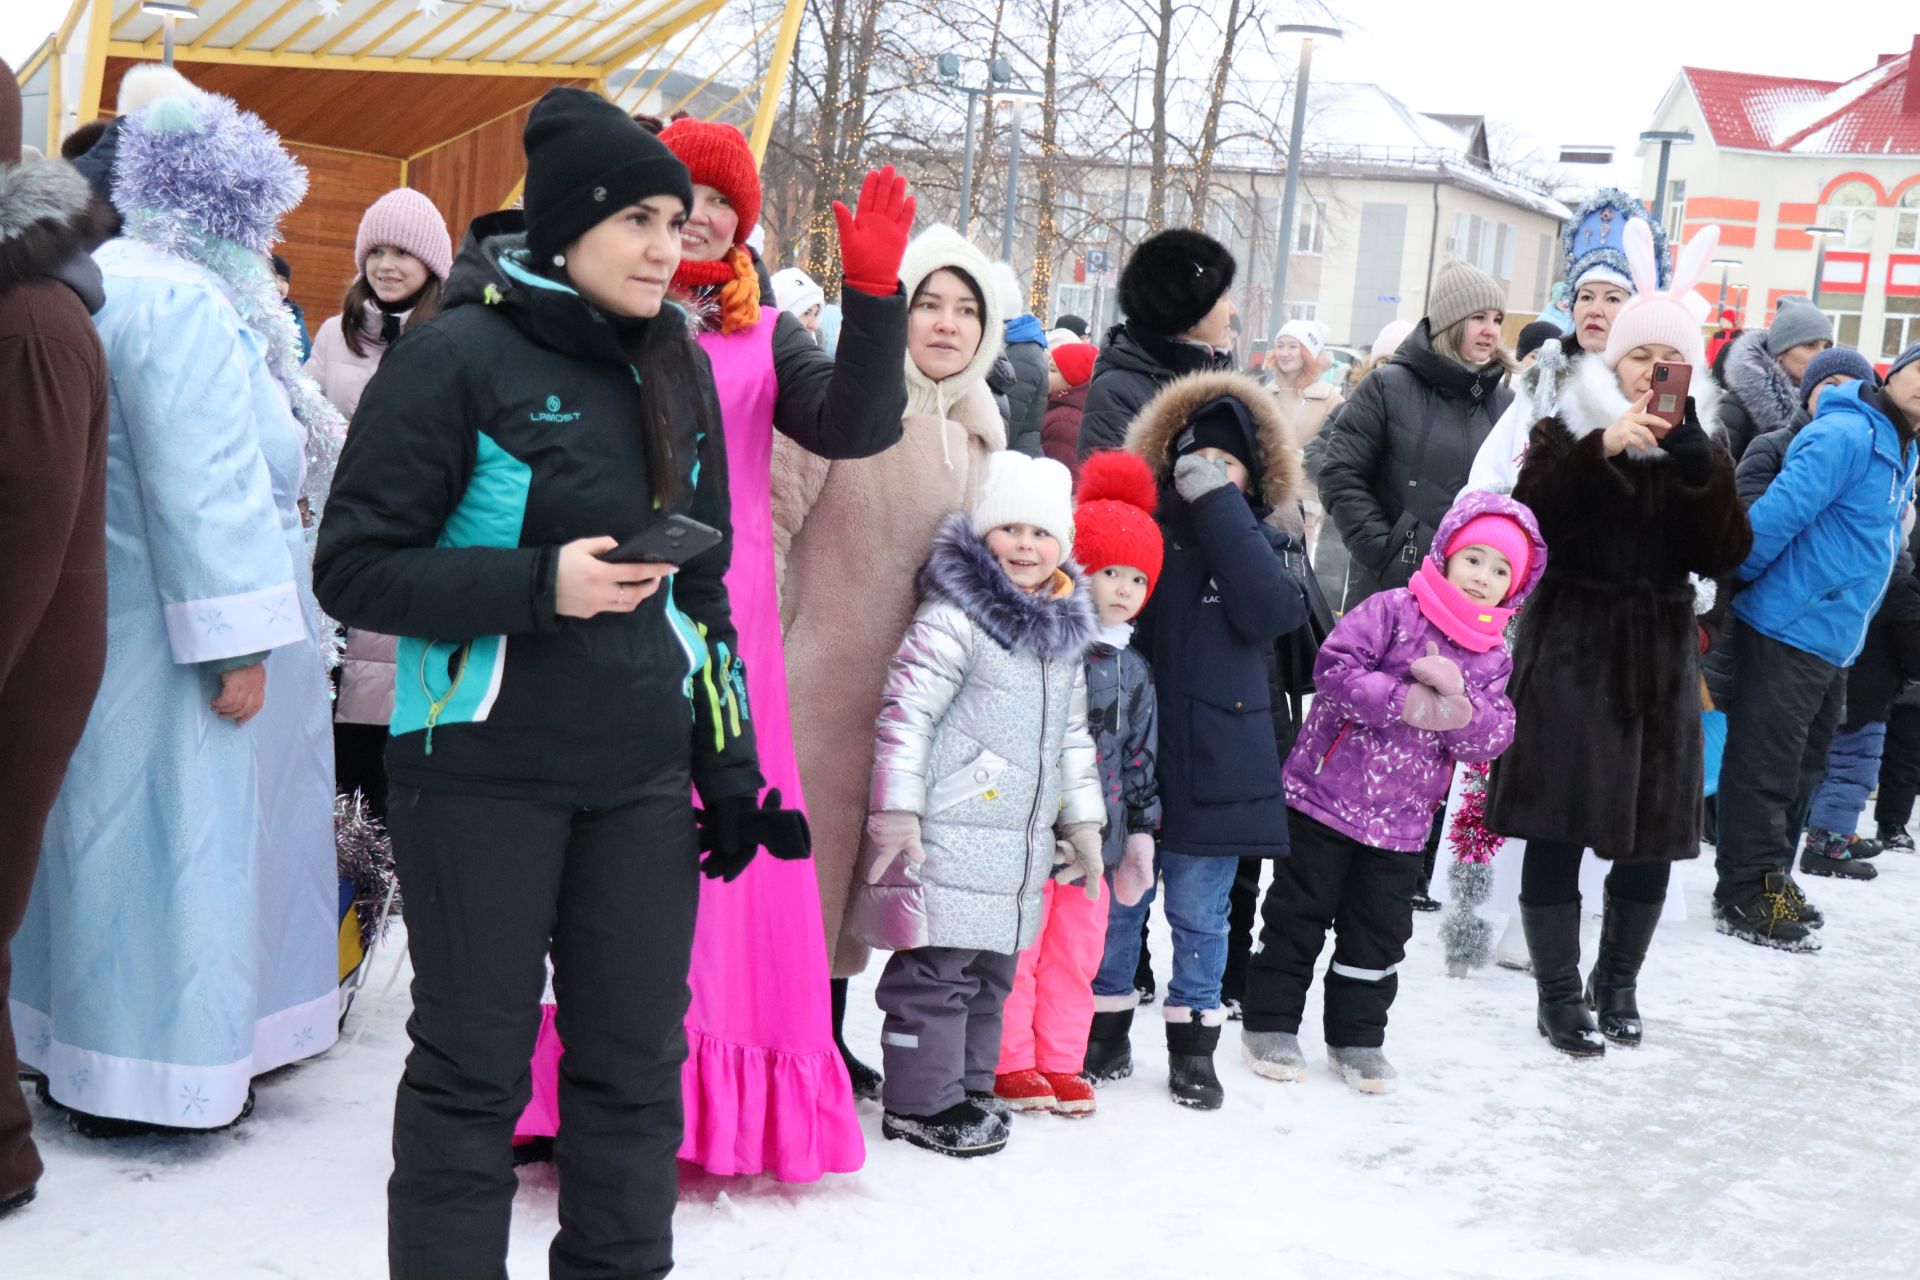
x=794, y=291
x=1023, y=490
x=148, y=83
x=1007, y=284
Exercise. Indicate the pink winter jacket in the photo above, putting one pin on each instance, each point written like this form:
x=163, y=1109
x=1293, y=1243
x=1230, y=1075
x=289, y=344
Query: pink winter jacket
x=366, y=673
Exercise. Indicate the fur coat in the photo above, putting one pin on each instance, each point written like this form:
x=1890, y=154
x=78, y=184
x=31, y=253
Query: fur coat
x=848, y=538
x=1607, y=744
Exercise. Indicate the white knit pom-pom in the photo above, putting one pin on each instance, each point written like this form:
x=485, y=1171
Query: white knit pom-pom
x=1705, y=592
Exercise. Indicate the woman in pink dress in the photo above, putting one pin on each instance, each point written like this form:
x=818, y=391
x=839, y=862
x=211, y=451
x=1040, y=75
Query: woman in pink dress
x=765, y=1084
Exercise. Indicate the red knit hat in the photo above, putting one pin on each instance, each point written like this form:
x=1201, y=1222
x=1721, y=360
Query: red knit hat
x=1075, y=360
x=717, y=156
x=1114, y=522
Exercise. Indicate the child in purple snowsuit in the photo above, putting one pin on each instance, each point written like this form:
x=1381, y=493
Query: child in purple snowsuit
x=1411, y=681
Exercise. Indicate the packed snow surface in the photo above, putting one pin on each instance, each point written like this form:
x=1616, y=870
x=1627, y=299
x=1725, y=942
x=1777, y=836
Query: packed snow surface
x=1769, y=1127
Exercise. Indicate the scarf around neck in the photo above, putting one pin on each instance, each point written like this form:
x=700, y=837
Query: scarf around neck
x=703, y=275
x=1473, y=626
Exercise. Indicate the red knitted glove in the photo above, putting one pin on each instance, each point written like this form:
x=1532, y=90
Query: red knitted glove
x=873, y=236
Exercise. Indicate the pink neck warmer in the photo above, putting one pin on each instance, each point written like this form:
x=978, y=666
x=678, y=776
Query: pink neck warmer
x=1473, y=626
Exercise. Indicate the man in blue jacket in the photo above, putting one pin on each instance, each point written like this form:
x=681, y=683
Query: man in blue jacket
x=1825, y=537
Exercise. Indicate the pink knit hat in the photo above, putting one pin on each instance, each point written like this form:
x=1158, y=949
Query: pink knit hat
x=1670, y=319
x=405, y=219
x=1504, y=534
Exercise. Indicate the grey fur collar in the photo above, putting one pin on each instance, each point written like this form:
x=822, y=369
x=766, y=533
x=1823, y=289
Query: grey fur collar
x=1762, y=385
x=45, y=218
x=1591, y=400
x=962, y=570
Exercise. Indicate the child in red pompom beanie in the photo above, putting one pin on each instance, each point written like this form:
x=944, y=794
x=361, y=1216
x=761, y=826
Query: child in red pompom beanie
x=1067, y=383
x=1044, y=1040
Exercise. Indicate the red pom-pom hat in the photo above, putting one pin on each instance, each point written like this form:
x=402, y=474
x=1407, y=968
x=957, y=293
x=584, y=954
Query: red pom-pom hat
x=1114, y=523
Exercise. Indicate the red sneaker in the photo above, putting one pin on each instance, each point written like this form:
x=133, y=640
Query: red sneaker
x=1072, y=1094
x=1024, y=1091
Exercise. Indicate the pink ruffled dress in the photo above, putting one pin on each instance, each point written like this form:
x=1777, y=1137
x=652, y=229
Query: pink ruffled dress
x=764, y=1087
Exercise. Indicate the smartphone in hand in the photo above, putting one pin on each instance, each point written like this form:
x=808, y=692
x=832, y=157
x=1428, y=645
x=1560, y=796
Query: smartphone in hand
x=1672, y=379
x=674, y=539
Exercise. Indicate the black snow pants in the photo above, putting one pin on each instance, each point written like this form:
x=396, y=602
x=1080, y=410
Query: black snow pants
x=1365, y=895
x=1899, y=768
x=491, y=885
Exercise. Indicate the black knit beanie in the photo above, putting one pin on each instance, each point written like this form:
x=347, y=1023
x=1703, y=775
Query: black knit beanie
x=586, y=161
x=1223, y=422
x=1173, y=279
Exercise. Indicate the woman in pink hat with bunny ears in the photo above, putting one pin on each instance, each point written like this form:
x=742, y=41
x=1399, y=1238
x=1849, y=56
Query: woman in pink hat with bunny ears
x=1607, y=751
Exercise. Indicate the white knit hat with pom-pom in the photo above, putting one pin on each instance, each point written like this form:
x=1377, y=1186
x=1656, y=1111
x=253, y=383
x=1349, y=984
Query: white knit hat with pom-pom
x=1023, y=490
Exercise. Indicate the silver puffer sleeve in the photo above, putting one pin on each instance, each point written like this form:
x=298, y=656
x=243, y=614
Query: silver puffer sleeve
x=1080, y=799
x=923, y=677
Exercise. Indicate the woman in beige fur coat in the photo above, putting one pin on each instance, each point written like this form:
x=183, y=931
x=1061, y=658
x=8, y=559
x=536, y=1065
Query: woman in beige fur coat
x=849, y=537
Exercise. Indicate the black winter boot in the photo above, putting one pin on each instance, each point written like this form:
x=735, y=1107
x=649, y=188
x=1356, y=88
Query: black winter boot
x=865, y=1080
x=1624, y=936
x=962, y=1130
x=1190, y=1075
x=1109, y=1053
x=1553, y=939
x=1891, y=837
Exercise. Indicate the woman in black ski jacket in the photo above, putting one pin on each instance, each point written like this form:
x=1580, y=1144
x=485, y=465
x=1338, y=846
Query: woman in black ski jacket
x=552, y=709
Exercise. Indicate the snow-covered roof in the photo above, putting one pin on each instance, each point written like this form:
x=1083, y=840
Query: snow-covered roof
x=1874, y=113
x=1365, y=129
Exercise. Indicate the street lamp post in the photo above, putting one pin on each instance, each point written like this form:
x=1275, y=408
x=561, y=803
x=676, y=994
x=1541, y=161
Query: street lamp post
x=1013, y=178
x=1822, y=235
x=1668, y=140
x=1726, y=266
x=170, y=15
x=999, y=82
x=1307, y=32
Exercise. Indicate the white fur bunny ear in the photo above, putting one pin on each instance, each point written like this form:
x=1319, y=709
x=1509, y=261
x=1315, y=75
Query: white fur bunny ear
x=1691, y=268
x=1637, y=239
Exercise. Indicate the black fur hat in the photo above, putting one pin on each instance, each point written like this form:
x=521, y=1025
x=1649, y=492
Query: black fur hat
x=1173, y=279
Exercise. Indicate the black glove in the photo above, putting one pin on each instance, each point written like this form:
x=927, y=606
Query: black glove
x=1690, y=449
x=732, y=828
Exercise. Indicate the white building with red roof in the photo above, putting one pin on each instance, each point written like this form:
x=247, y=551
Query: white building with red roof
x=1773, y=155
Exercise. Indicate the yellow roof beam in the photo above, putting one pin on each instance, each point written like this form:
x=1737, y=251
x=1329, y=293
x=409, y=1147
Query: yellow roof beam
x=434, y=34
x=339, y=37
x=770, y=88
x=357, y=62
x=608, y=21
x=731, y=58
x=298, y=31
x=33, y=63
x=366, y=50
x=204, y=34
x=515, y=33
x=621, y=52
x=93, y=80
x=713, y=11
x=247, y=40
x=132, y=11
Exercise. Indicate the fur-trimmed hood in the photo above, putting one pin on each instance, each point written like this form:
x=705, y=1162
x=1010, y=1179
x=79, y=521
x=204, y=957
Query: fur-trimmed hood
x=1762, y=386
x=1590, y=400
x=1159, y=424
x=46, y=221
x=961, y=570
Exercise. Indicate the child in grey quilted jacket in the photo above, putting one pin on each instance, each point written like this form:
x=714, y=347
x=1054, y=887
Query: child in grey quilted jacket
x=982, y=763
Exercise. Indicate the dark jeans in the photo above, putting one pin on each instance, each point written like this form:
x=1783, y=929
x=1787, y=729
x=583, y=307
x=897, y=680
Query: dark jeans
x=1365, y=895
x=1550, y=877
x=1899, y=768
x=1786, y=706
x=491, y=885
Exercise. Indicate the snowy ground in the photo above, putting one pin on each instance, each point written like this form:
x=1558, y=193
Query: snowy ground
x=1768, y=1128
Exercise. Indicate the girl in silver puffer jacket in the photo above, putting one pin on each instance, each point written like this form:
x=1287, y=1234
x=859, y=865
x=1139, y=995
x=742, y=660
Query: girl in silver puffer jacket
x=983, y=768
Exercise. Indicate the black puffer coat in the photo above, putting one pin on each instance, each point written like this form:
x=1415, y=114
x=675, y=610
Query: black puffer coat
x=1399, y=454
x=1133, y=365
x=1890, y=660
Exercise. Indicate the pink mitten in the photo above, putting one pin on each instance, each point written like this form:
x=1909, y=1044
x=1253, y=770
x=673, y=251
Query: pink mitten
x=1079, y=847
x=1426, y=709
x=1135, y=874
x=1442, y=675
x=894, y=834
